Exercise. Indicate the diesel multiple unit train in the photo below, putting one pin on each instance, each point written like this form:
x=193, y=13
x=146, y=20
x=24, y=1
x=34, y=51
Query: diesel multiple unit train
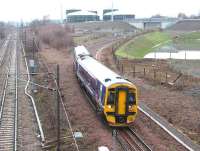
x=113, y=96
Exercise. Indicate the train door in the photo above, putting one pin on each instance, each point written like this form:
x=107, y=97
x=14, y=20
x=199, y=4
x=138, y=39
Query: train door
x=121, y=97
x=100, y=93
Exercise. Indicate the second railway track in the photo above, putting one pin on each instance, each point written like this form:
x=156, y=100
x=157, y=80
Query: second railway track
x=18, y=129
x=8, y=108
x=130, y=140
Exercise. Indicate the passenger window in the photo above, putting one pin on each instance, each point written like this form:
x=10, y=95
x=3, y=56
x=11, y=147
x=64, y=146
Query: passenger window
x=131, y=98
x=111, y=98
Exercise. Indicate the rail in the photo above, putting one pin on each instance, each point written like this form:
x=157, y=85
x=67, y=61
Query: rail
x=4, y=46
x=5, y=84
x=3, y=96
x=16, y=100
x=9, y=110
x=140, y=139
x=130, y=140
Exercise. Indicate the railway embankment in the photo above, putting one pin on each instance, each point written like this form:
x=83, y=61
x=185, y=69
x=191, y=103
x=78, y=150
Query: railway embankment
x=169, y=101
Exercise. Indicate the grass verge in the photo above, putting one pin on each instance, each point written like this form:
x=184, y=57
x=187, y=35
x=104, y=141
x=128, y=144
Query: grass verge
x=142, y=45
x=188, y=41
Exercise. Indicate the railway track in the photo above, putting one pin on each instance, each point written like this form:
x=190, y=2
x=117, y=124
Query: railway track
x=18, y=129
x=130, y=140
x=178, y=136
x=127, y=137
x=9, y=99
x=3, y=47
x=3, y=71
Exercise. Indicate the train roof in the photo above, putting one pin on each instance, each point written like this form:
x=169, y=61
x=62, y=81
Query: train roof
x=99, y=71
x=81, y=50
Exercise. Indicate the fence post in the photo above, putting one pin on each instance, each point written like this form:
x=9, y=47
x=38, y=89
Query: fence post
x=154, y=74
x=25, y=41
x=166, y=76
x=33, y=48
x=122, y=68
x=134, y=70
x=144, y=72
x=115, y=58
x=118, y=64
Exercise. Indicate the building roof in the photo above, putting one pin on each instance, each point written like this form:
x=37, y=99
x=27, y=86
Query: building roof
x=82, y=13
x=117, y=13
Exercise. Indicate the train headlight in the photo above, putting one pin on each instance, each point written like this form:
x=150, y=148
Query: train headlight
x=109, y=106
x=130, y=107
x=130, y=119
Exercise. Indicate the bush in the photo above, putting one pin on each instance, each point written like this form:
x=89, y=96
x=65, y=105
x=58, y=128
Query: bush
x=54, y=35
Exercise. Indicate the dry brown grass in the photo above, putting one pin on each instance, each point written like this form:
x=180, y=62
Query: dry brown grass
x=55, y=35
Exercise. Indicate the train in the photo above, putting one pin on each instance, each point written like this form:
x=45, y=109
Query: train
x=113, y=96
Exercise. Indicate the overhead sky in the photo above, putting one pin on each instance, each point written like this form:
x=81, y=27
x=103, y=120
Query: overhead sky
x=31, y=9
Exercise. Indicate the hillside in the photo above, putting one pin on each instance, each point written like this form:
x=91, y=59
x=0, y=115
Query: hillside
x=186, y=25
x=140, y=46
x=104, y=27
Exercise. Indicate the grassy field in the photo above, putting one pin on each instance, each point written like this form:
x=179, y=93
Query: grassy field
x=140, y=46
x=188, y=41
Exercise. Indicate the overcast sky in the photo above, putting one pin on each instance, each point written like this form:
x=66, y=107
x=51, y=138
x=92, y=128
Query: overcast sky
x=32, y=9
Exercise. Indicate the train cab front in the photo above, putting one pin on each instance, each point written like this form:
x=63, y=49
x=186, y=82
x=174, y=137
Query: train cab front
x=121, y=105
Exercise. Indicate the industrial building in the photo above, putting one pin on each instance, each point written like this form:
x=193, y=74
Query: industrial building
x=153, y=23
x=81, y=16
x=117, y=16
x=109, y=10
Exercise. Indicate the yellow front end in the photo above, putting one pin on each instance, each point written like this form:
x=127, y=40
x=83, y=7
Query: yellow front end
x=121, y=103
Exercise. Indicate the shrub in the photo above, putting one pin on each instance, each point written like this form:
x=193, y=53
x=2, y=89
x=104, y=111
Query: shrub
x=54, y=35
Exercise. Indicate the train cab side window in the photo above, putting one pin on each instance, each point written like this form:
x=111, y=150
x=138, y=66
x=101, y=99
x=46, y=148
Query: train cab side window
x=131, y=99
x=111, y=98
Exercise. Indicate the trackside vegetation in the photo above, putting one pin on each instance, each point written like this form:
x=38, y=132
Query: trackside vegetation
x=144, y=44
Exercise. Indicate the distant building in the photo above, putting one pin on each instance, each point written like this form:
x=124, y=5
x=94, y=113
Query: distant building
x=81, y=16
x=46, y=17
x=117, y=16
x=153, y=23
x=109, y=10
x=72, y=10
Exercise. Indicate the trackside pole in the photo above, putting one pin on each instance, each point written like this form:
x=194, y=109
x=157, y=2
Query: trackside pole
x=58, y=106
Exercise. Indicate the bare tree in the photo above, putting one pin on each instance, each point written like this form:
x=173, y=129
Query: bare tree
x=2, y=30
x=182, y=16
